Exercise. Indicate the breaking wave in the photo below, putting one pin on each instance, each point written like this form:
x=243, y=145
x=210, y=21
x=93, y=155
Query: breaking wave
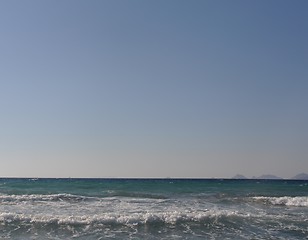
x=42, y=198
x=121, y=209
x=74, y=198
x=283, y=201
x=118, y=219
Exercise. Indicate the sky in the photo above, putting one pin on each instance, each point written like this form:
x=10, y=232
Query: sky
x=192, y=89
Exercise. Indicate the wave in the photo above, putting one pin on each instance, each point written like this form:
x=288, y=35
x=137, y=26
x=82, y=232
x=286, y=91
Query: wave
x=173, y=217
x=41, y=197
x=88, y=216
x=214, y=224
x=78, y=198
x=284, y=201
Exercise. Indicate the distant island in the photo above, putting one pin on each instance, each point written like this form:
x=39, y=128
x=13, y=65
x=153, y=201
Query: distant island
x=269, y=176
x=300, y=176
x=239, y=176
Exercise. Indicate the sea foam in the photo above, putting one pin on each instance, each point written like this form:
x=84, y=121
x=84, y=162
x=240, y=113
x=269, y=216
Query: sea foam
x=299, y=201
x=152, y=209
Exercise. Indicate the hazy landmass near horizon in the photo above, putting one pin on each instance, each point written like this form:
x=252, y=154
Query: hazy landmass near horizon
x=153, y=88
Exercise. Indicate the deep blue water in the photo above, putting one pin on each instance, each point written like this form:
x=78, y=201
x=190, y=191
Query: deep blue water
x=153, y=209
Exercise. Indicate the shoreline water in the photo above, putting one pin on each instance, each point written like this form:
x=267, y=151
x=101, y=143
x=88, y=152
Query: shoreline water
x=114, y=208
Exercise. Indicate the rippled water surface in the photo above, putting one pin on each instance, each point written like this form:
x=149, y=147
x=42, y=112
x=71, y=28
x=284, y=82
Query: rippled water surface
x=153, y=209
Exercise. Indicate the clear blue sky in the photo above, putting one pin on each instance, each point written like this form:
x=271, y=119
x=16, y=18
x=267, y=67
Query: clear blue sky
x=153, y=88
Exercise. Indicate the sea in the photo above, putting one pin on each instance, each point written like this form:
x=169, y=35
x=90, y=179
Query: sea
x=153, y=209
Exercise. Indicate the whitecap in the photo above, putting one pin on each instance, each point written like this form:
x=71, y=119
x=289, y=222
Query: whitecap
x=299, y=201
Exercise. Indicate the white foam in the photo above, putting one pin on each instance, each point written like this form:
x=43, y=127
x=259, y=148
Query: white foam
x=284, y=201
x=72, y=209
x=42, y=197
x=171, y=217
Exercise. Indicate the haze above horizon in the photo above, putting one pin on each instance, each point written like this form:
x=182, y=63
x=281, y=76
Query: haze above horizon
x=196, y=89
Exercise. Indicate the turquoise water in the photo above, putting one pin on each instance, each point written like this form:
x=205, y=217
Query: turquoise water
x=153, y=209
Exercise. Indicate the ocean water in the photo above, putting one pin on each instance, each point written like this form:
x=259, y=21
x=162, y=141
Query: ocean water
x=153, y=209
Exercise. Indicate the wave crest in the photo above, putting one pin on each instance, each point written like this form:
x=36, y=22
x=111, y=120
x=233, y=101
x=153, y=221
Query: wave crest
x=284, y=201
x=43, y=198
x=117, y=219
